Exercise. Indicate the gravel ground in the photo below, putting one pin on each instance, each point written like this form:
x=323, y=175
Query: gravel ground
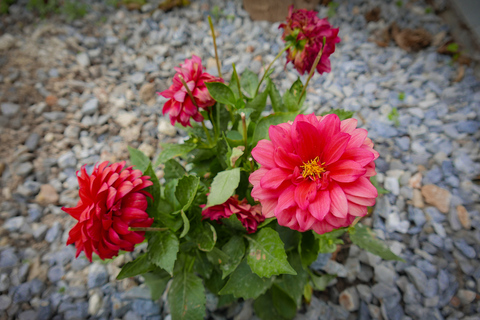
x=78, y=93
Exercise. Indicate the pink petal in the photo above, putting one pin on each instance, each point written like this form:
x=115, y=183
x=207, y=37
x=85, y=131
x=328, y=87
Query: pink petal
x=360, y=155
x=304, y=219
x=268, y=207
x=339, y=205
x=305, y=192
x=360, y=188
x=286, y=199
x=274, y=178
x=335, y=148
x=322, y=227
x=361, y=201
x=305, y=137
x=346, y=171
x=321, y=205
x=286, y=160
x=357, y=210
x=280, y=136
x=348, y=125
x=257, y=175
x=263, y=154
x=358, y=137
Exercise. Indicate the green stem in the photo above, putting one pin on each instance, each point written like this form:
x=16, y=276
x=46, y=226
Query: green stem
x=190, y=94
x=146, y=229
x=354, y=223
x=269, y=66
x=238, y=81
x=206, y=132
x=244, y=127
x=312, y=71
x=215, y=47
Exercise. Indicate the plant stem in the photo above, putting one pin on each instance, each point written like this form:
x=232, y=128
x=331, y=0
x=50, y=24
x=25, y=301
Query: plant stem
x=357, y=219
x=312, y=71
x=269, y=66
x=238, y=81
x=244, y=127
x=215, y=47
x=147, y=229
x=190, y=94
x=206, y=132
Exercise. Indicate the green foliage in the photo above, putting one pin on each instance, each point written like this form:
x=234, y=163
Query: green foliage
x=401, y=96
x=138, y=159
x=257, y=105
x=320, y=283
x=235, y=250
x=136, y=267
x=342, y=114
x=380, y=190
x=73, y=10
x=291, y=97
x=308, y=248
x=5, y=5
x=186, y=297
x=249, y=81
x=162, y=250
x=275, y=97
x=393, y=116
x=328, y=241
x=171, y=151
x=266, y=254
x=399, y=3
x=186, y=190
x=261, y=130
x=221, y=93
x=365, y=238
x=173, y=170
x=205, y=236
x=332, y=9
x=223, y=186
x=157, y=282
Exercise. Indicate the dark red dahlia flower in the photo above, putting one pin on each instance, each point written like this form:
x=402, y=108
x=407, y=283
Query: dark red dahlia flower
x=112, y=199
x=180, y=107
x=304, y=31
x=250, y=216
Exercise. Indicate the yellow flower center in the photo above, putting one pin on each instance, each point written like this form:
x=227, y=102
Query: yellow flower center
x=313, y=169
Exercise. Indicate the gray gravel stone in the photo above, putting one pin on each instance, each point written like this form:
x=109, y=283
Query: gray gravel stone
x=9, y=110
x=97, y=276
x=90, y=107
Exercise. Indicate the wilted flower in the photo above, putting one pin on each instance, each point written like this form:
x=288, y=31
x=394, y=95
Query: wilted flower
x=250, y=216
x=304, y=31
x=112, y=199
x=180, y=107
x=315, y=173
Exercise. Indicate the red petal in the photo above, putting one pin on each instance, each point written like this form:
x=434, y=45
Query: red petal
x=305, y=139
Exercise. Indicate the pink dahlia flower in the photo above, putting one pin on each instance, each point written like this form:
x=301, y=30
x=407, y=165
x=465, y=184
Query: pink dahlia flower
x=250, y=216
x=180, y=107
x=314, y=173
x=112, y=199
x=305, y=32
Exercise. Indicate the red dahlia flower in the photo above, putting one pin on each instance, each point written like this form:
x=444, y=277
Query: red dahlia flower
x=304, y=31
x=112, y=199
x=315, y=173
x=180, y=107
x=250, y=216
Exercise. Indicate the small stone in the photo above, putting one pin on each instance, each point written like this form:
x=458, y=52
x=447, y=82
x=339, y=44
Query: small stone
x=467, y=251
x=364, y=292
x=9, y=110
x=333, y=267
x=466, y=296
x=83, y=59
x=438, y=197
x=94, y=304
x=32, y=141
x=22, y=294
x=67, y=160
x=385, y=275
x=349, y=300
x=164, y=127
x=5, y=302
x=417, y=199
x=24, y=169
x=137, y=77
x=7, y=41
x=4, y=282
x=47, y=195
x=55, y=274
x=27, y=315
x=125, y=119
x=90, y=107
x=392, y=185
x=464, y=217
x=418, y=278
x=14, y=224
x=97, y=276
x=51, y=100
x=147, y=149
x=53, y=232
x=147, y=93
x=415, y=181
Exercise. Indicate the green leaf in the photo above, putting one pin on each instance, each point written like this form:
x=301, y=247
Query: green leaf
x=154, y=190
x=364, y=238
x=294, y=285
x=162, y=250
x=342, y=114
x=233, y=223
x=328, y=241
x=380, y=190
x=266, y=254
x=258, y=104
x=133, y=268
x=169, y=192
x=234, y=138
x=223, y=186
x=186, y=190
x=249, y=82
x=186, y=297
x=221, y=93
x=202, y=265
x=290, y=97
x=308, y=248
x=186, y=224
x=205, y=236
x=173, y=170
x=237, y=152
x=261, y=130
x=320, y=283
x=275, y=97
x=265, y=308
x=284, y=304
x=266, y=222
x=234, y=83
x=243, y=283
x=138, y=159
x=173, y=150
x=157, y=282
x=217, y=256
x=235, y=250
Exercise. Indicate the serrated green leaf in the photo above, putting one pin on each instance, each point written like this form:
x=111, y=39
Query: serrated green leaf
x=308, y=248
x=294, y=285
x=171, y=151
x=320, y=283
x=154, y=190
x=275, y=97
x=133, y=268
x=342, y=114
x=157, y=282
x=233, y=223
x=186, y=224
x=243, y=283
x=223, y=186
x=221, y=93
x=365, y=239
x=169, y=192
x=186, y=297
x=283, y=302
x=258, y=104
x=261, y=130
x=138, y=159
x=173, y=170
x=202, y=265
x=265, y=308
x=328, y=241
x=162, y=250
x=249, y=82
x=266, y=254
x=205, y=236
x=235, y=250
x=186, y=190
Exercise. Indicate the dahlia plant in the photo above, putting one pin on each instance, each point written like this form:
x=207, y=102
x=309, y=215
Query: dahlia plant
x=249, y=201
